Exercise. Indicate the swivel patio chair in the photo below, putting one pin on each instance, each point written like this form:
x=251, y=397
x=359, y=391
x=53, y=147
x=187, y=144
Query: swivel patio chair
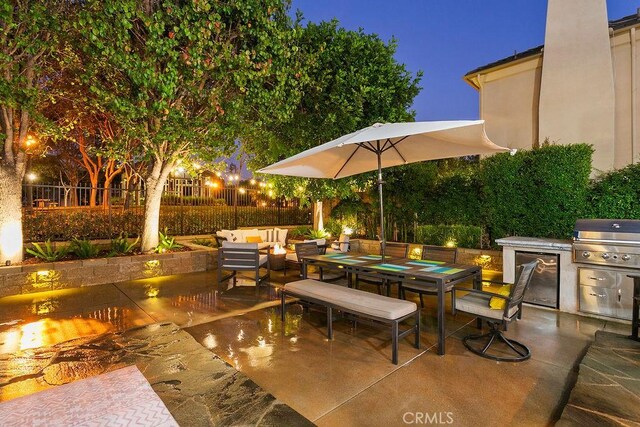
x=235, y=257
x=479, y=303
x=431, y=253
x=392, y=250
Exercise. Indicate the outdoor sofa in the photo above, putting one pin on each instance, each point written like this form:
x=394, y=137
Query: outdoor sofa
x=267, y=237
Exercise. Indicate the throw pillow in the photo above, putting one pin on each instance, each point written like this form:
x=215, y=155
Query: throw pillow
x=237, y=236
x=281, y=235
x=497, y=303
x=254, y=239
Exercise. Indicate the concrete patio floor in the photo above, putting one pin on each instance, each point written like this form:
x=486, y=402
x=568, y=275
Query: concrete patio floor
x=348, y=381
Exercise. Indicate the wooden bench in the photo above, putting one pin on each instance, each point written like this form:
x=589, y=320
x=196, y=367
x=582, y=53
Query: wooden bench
x=381, y=309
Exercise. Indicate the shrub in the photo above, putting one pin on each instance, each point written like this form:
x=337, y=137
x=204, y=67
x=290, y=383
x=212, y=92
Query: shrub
x=299, y=232
x=121, y=246
x=48, y=252
x=538, y=193
x=616, y=194
x=204, y=242
x=317, y=234
x=84, y=249
x=466, y=236
x=167, y=243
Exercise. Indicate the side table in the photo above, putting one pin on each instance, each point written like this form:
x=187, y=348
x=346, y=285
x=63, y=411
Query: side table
x=276, y=261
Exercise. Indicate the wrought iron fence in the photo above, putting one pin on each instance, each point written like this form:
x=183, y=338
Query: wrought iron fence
x=61, y=213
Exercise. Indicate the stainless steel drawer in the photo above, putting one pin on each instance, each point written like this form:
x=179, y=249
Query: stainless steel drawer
x=599, y=278
x=599, y=300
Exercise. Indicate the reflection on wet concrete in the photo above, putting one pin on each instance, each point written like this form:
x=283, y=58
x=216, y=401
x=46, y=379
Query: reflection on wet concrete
x=293, y=361
x=197, y=387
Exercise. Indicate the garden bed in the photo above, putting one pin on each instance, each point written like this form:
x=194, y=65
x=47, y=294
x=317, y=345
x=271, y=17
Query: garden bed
x=47, y=276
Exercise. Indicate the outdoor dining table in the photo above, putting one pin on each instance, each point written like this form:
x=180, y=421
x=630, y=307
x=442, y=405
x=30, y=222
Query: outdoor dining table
x=435, y=276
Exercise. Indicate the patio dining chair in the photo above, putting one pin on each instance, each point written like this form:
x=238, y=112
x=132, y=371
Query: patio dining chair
x=486, y=306
x=340, y=245
x=301, y=250
x=392, y=250
x=239, y=257
x=431, y=253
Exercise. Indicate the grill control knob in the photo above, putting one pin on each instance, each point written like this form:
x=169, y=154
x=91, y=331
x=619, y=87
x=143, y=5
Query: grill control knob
x=626, y=257
x=605, y=256
x=586, y=254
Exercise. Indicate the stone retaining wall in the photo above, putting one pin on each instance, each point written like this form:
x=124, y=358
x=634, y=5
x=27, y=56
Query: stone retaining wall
x=25, y=279
x=487, y=258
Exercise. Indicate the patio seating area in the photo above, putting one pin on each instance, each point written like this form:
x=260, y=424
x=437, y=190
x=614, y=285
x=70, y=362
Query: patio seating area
x=337, y=382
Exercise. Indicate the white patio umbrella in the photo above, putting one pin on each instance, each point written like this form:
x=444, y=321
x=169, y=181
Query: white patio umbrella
x=387, y=144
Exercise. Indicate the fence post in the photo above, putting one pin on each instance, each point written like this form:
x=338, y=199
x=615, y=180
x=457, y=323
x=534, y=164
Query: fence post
x=235, y=207
x=108, y=207
x=279, y=211
x=181, y=212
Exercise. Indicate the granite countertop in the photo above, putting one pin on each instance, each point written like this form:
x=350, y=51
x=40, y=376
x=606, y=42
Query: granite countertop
x=535, y=242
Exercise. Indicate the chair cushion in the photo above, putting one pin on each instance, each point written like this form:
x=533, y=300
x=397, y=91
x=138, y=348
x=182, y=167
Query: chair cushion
x=236, y=245
x=352, y=299
x=479, y=305
x=497, y=303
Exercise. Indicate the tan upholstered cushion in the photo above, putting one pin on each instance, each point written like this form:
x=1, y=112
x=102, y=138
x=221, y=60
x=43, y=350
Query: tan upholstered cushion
x=352, y=299
x=479, y=305
x=234, y=245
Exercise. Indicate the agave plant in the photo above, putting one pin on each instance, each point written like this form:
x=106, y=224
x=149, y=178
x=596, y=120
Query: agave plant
x=318, y=234
x=48, y=251
x=121, y=246
x=84, y=249
x=167, y=243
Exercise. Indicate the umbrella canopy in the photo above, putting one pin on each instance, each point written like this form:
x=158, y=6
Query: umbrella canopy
x=395, y=144
x=384, y=145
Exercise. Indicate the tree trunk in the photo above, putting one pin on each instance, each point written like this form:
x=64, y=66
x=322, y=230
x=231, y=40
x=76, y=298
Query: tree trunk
x=93, y=193
x=10, y=216
x=106, y=194
x=154, y=186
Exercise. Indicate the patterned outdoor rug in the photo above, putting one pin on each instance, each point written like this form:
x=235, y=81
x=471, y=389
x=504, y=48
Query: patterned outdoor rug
x=118, y=398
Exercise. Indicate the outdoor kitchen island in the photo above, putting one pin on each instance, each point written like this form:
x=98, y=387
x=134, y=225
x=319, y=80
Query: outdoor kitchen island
x=568, y=299
x=594, y=271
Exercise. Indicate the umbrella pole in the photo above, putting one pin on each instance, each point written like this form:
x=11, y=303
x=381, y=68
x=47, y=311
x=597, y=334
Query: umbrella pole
x=382, y=235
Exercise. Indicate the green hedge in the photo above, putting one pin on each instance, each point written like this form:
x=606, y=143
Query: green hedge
x=466, y=236
x=616, y=194
x=97, y=223
x=538, y=193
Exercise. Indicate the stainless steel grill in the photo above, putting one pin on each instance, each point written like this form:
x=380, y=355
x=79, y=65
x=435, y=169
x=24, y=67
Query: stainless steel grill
x=606, y=251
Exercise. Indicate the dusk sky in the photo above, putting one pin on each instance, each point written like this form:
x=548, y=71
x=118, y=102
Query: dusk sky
x=446, y=39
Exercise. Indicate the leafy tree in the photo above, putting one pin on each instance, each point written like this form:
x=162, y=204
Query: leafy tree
x=28, y=31
x=185, y=76
x=353, y=82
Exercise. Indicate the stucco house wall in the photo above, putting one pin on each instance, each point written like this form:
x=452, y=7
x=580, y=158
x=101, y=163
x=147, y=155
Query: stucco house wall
x=580, y=87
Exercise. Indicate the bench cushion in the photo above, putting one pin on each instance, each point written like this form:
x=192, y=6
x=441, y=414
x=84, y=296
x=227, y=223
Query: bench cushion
x=352, y=300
